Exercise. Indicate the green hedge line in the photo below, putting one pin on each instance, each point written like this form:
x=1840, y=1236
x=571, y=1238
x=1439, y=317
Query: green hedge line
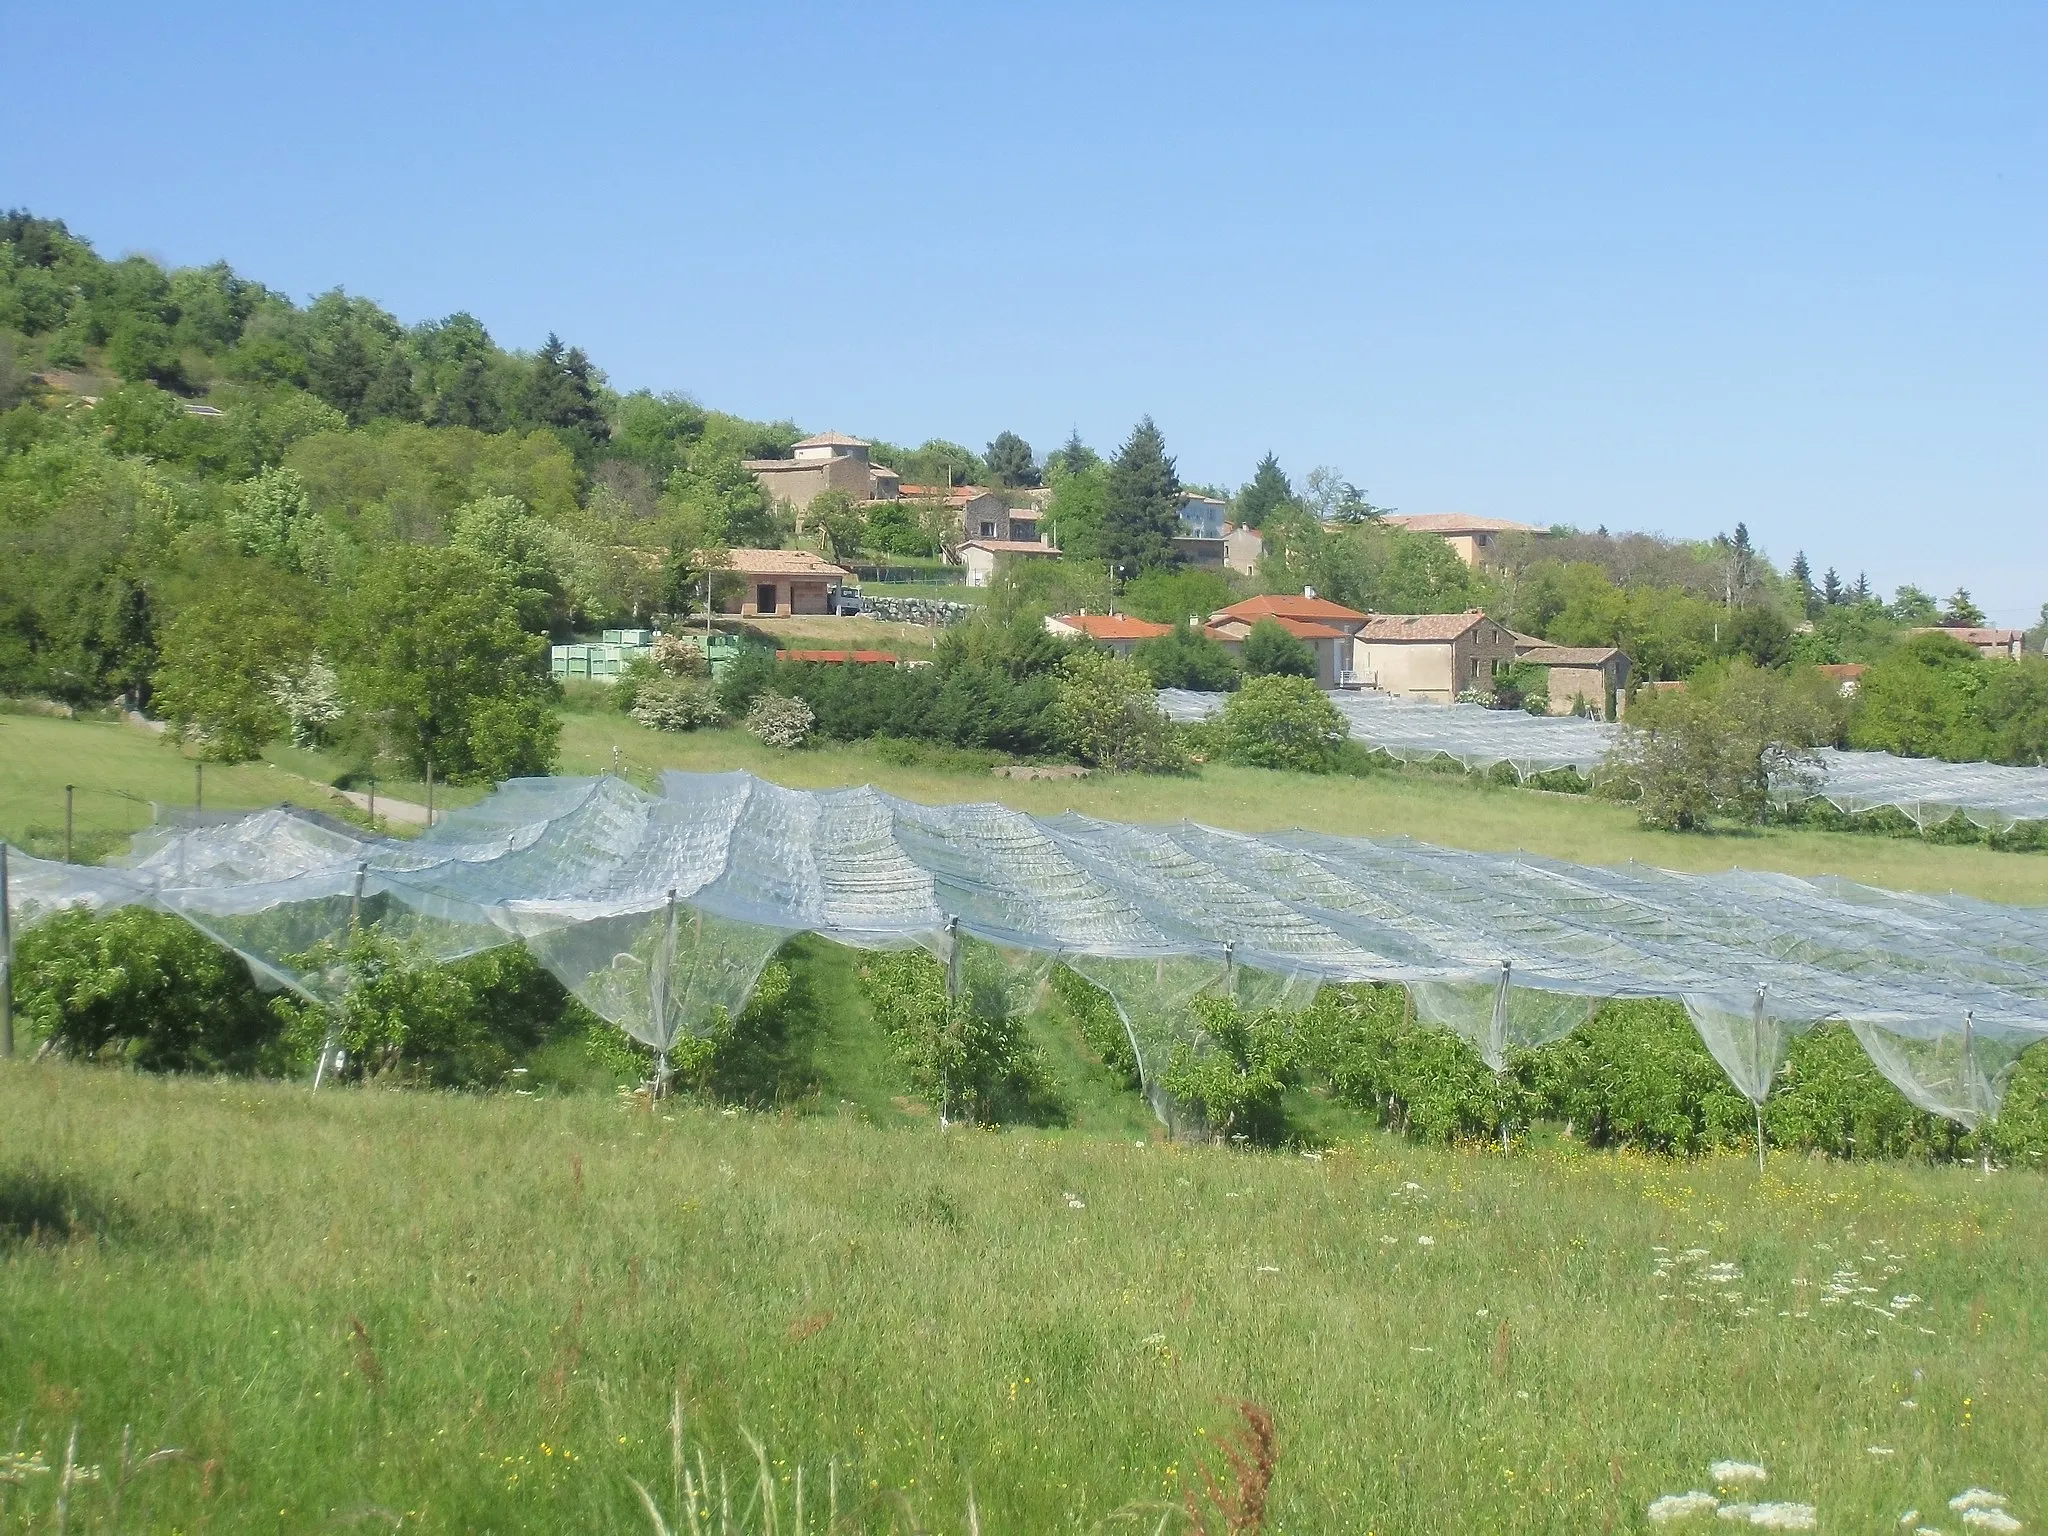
x=145, y=989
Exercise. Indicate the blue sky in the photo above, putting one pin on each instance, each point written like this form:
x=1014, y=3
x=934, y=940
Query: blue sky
x=1641, y=266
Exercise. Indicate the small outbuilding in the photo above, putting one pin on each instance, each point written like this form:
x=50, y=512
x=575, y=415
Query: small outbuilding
x=776, y=583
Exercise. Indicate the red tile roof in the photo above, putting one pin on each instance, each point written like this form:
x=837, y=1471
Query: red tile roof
x=1842, y=671
x=1011, y=546
x=1569, y=655
x=1278, y=605
x=1113, y=626
x=1451, y=524
x=869, y=658
x=1419, y=626
x=780, y=562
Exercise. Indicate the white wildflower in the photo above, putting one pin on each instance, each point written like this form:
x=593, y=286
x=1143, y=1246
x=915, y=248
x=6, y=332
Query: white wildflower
x=1425, y=1241
x=1909, y=1517
x=1723, y=1274
x=1680, y=1506
x=1976, y=1498
x=1269, y=1269
x=1900, y=1303
x=1990, y=1520
x=1879, y=1450
x=1773, y=1517
x=1075, y=1202
x=1410, y=1186
x=1727, y=1472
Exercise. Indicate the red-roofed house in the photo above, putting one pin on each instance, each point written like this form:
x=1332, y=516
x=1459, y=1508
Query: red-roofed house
x=1594, y=674
x=1118, y=632
x=1325, y=627
x=982, y=556
x=1430, y=655
x=775, y=582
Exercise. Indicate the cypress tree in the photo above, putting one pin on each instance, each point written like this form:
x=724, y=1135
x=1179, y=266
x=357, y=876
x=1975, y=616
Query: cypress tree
x=1142, y=518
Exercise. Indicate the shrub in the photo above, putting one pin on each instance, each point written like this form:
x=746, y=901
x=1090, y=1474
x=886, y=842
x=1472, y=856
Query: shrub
x=1105, y=713
x=1413, y=1077
x=1282, y=722
x=1188, y=658
x=780, y=721
x=1829, y=1098
x=676, y=704
x=141, y=987
x=1638, y=1075
x=679, y=657
x=1236, y=1070
x=1270, y=651
x=968, y=1055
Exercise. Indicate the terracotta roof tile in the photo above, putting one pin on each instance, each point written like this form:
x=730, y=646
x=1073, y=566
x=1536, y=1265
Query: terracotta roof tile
x=1113, y=626
x=1453, y=523
x=1568, y=655
x=1275, y=605
x=781, y=562
x=1419, y=626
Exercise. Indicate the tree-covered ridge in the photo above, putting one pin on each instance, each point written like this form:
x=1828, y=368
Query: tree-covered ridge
x=203, y=484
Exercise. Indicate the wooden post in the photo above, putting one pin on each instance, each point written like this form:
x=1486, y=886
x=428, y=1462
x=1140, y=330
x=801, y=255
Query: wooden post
x=68, y=789
x=373, y=807
x=199, y=785
x=664, y=967
x=1756, y=1054
x=355, y=908
x=430, y=794
x=1497, y=1043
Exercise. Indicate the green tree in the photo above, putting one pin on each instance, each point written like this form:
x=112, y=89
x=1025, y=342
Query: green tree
x=1141, y=517
x=1235, y=1072
x=1962, y=612
x=561, y=393
x=1923, y=701
x=390, y=395
x=1910, y=605
x=1175, y=596
x=1073, y=457
x=226, y=660
x=342, y=373
x=433, y=661
x=1270, y=651
x=1268, y=493
x=1721, y=747
x=1011, y=461
x=1077, y=513
x=1801, y=576
x=1282, y=722
x=841, y=524
x=1105, y=713
x=1188, y=658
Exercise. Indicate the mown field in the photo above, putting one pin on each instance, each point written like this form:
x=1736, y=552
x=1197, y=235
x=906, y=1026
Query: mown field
x=385, y=1310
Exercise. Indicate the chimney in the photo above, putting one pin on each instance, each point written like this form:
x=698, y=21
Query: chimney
x=1308, y=591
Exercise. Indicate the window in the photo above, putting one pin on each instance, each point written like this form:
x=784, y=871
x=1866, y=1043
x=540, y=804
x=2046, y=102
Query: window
x=988, y=530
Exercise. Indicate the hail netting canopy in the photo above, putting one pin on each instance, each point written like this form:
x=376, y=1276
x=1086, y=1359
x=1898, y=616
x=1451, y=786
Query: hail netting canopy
x=1925, y=790
x=658, y=910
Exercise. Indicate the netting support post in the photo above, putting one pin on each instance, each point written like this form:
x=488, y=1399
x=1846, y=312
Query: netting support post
x=952, y=957
x=1230, y=970
x=1756, y=1054
x=662, y=975
x=6, y=963
x=430, y=794
x=1497, y=1039
x=1970, y=1065
x=327, y=1045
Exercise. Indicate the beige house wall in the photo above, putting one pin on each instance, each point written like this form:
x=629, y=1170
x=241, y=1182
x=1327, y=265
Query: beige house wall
x=790, y=595
x=1589, y=683
x=1435, y=669
x=807, y=479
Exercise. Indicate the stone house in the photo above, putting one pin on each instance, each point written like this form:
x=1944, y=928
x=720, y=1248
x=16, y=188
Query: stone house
x=1326, y=628
x=1597, y=674
x=982, y=557
x=831, y=461
x=1433, y=656
x=765, y=583
x=1471, y=538
x=1991, y=644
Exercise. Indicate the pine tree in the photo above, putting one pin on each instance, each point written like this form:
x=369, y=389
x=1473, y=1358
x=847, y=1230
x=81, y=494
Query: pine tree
x=1268, y=492
x=559, y=394
x=1862, y=586
x=1802, y=578
x=1011, y=461
x=1073, y=457
x=1143, y=516
x=1832, y=592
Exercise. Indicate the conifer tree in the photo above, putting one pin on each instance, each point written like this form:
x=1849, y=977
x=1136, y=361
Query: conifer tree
x=1142, y=518
x=1802, y=578
x=1268, y=492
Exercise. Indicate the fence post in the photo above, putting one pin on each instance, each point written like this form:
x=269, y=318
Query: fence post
x=1969, y=1066
x=6, y=963
x=1756, y=1054
x=327, y=1045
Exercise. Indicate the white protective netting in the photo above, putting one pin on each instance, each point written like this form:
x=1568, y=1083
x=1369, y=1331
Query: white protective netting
x=660, y=910
x=1925, y=790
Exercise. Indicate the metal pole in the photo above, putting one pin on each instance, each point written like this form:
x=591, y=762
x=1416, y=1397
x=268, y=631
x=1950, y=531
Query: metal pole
x=68, y=789
x=199, y=785
x=6, y=964
x=1497, y=1037
x=1969, y=1067
x=373, y=805
x=665, y=963
x=1230, y=969
x=430, y=793
x=1756, y=1055
x=952, y=957
x=355, y=908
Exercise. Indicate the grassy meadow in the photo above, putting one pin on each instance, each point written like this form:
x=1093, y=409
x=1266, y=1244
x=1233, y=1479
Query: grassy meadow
x=385, y=1310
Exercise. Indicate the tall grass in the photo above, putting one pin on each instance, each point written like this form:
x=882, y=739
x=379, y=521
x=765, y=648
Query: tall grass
x=437, y=1312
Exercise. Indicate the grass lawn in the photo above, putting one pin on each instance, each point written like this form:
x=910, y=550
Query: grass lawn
x=372, y=1310
x=1439, y=808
